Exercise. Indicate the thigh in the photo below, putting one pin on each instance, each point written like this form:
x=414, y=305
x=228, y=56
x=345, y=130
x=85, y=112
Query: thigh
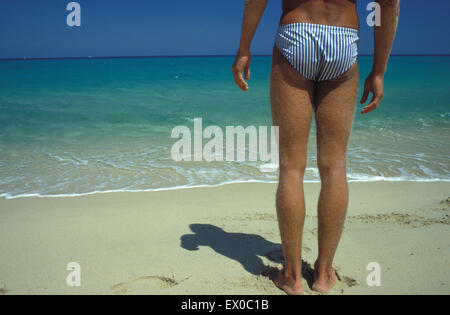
x=292, y=107
x=335, y=103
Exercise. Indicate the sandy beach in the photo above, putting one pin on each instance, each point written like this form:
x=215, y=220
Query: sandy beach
x=219, y=240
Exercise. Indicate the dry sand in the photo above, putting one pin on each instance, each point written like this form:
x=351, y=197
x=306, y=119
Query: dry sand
x=219, y=240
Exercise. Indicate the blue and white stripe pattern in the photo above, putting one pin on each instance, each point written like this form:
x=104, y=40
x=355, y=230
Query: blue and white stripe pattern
x=318, y=52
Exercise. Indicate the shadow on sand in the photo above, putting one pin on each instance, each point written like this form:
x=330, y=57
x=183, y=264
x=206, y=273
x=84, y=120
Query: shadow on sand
x=246, y=249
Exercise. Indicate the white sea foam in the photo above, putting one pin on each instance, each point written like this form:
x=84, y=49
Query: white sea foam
x=269, y=168
x=352, y=179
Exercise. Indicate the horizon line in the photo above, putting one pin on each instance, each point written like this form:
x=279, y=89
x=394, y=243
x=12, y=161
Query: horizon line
x=187, y=56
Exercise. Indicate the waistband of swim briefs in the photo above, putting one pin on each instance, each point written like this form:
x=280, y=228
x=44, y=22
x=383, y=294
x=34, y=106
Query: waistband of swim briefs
x=310, y=27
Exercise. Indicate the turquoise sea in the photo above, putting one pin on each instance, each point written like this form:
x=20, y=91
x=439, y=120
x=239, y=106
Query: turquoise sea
x=72, y=127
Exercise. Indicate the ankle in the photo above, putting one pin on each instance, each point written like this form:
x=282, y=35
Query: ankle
x=324, y=269
x=292, y=278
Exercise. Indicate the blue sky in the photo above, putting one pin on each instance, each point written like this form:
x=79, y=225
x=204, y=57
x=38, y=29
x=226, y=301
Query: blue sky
x=37, y=28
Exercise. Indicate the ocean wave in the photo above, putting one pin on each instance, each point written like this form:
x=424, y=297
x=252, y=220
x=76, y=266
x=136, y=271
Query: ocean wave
x=65, y=174
x=351, y=179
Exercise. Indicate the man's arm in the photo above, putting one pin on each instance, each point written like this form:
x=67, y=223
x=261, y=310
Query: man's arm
x=384, y=38
x=253, y=12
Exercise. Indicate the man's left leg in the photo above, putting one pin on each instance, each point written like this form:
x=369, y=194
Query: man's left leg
x=292, y=110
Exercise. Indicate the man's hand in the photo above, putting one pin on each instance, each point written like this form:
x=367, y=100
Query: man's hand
x=242, y=65
x=374, y=85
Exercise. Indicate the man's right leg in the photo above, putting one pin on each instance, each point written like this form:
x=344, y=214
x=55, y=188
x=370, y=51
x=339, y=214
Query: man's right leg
x=336, y=103
x=292, y=108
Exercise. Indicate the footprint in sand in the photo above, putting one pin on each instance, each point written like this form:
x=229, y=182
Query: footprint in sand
x=349, y=282
x=343, y=283
x=445, y=204
x=144, y=284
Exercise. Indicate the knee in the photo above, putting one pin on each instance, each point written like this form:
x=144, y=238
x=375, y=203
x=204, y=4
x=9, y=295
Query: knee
x=335, y=166
x=292, y=168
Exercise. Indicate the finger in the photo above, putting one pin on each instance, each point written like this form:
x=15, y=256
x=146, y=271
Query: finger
x=365, y=96
x=239, y=80
x=372, y=106
x=368, y=109
x=247, y=73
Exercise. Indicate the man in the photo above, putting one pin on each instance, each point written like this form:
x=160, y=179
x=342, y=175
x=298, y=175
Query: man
x=315, y=71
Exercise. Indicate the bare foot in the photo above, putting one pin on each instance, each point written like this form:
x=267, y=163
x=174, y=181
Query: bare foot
x=323, y=283
x=287, y=285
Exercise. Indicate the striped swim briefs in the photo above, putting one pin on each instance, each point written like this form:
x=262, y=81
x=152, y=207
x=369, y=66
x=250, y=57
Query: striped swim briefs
x=318, y=52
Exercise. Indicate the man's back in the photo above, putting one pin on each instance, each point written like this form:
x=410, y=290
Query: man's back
x=326, y=12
